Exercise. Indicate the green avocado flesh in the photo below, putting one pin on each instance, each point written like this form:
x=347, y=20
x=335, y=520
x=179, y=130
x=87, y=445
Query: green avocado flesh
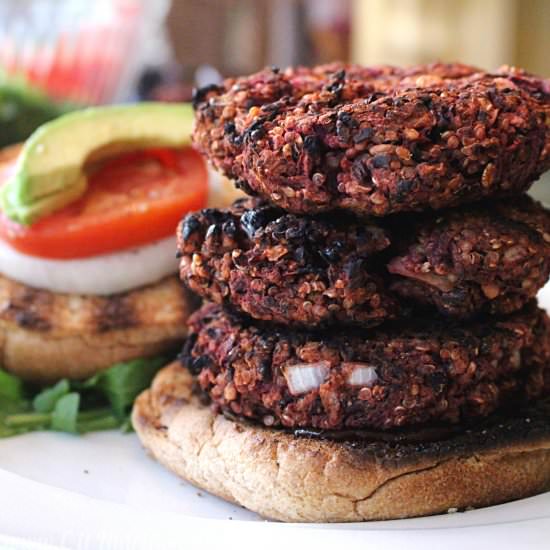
x=50, y=170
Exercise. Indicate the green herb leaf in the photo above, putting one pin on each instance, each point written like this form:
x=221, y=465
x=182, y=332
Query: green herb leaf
x=105, y=422
x=122, y=383
x=101, y=402
x=28, y=420
x=11, y=387
x=45, y=401
x=7, y=406
x=65, y=413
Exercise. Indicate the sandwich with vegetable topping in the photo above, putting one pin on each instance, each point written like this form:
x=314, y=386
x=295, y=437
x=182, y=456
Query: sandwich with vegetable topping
x=370, y=346
x=89, y=206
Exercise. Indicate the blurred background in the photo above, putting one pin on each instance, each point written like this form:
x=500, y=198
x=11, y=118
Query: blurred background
x=59, y=54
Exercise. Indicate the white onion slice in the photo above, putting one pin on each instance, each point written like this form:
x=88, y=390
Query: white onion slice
x=304, y=377
x=101, y=275
x=515, y=359
x=361, y=374
x=445, y=283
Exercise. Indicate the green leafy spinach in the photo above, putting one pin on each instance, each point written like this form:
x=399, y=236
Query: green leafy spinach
x=102, y=402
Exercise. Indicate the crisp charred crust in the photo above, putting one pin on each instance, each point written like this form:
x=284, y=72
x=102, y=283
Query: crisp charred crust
x=377, y=140
x=423, y=372
x=489, y=258
x=529, y=422
x=281, y=267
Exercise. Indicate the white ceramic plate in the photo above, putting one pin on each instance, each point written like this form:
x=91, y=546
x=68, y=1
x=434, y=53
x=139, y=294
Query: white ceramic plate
x=102, y=491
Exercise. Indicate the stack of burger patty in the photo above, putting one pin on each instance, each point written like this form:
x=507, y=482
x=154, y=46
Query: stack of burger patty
x=383, y=273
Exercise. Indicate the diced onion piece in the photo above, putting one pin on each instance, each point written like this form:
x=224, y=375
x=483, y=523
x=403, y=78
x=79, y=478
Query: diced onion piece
x=444, y=283
x=515, y=359
x=304, y=377
x=361, y=374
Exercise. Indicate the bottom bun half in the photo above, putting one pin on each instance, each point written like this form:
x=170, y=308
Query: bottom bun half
x=285, y=477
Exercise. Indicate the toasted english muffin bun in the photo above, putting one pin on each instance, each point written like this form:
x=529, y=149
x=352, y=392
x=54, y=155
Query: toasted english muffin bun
x=290, y=478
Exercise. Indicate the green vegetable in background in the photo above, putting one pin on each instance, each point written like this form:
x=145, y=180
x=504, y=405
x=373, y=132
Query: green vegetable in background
x=123, y=382
x=24, y=108
x=11, y=388
x=102, y=402
x=45, y=401
x=65, y=413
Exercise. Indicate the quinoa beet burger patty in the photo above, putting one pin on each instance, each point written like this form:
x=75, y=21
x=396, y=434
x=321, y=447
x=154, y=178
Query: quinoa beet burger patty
x=377, y=140
x=400, y=376
x=491, y=257
x=286, y=268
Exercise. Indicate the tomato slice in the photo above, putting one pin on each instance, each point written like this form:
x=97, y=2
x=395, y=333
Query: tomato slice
x=133, y=199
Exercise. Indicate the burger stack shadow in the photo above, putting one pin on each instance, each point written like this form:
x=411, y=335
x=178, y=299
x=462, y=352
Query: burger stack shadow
x=376, y=292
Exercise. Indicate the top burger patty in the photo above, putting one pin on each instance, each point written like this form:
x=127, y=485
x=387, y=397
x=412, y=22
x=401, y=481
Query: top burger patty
x=326, y=269
x=377, y=140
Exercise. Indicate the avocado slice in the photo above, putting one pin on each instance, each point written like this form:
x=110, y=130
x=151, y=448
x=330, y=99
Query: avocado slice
x=46, y=205
x=49, y=173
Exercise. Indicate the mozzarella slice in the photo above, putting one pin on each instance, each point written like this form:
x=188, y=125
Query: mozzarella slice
x=100, y=275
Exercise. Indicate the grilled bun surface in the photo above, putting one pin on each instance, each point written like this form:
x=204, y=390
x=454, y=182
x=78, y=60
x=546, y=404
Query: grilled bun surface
x=45, y=336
